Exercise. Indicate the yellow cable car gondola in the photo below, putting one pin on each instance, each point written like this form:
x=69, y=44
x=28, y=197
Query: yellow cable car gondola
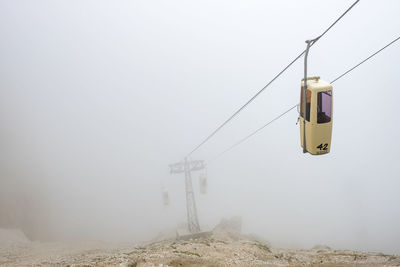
x=316, y=128
x=315, y=113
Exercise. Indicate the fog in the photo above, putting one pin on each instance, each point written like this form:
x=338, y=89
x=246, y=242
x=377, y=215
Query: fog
x=97, y=98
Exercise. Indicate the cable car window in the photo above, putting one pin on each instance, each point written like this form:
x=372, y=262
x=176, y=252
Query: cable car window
x=324, y=107
x=308, y=105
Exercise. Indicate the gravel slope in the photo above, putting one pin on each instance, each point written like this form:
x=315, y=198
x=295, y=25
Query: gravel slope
x=220, y=249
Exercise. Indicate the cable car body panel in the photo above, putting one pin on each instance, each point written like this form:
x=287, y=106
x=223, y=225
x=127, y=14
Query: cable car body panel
x=318, y=121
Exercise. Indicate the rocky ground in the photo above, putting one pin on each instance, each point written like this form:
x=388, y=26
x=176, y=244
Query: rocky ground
x=222, y=248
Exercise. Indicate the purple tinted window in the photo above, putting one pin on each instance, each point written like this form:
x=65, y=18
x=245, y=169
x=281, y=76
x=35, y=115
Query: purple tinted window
x=324, y=107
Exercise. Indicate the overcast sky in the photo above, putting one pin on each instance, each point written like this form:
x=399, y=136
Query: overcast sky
x=98, y=97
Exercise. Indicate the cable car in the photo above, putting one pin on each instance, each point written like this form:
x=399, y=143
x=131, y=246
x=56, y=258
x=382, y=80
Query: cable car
x=316, y=127
x=165, y=197
x=203, y=183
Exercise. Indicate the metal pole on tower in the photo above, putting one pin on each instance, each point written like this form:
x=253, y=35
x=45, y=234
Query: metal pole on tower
x=186, y=167
x=193, y=221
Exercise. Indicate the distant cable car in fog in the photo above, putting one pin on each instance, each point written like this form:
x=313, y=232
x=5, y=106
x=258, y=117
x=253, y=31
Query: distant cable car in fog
x=203, y=183
x=165, y=197
x=316, y=125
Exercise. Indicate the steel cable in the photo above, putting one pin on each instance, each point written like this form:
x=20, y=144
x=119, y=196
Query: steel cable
x=268, y=84
x=377, y=52
x=284, y=113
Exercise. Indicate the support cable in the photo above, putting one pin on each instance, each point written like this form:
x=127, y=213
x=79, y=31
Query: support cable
x=377, y=52
x=253, y=133
x=284, y=113
x=268, y=84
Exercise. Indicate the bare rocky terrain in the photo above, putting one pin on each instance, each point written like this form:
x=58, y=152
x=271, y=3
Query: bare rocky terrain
x=222, y=248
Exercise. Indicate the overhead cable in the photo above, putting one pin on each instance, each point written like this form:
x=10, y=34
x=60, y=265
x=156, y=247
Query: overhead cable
x=253, y=133
x=268, y=84
x=284, y=113
x=377, y=52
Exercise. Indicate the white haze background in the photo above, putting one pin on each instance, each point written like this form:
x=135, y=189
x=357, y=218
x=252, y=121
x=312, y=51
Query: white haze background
x=98, y=97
